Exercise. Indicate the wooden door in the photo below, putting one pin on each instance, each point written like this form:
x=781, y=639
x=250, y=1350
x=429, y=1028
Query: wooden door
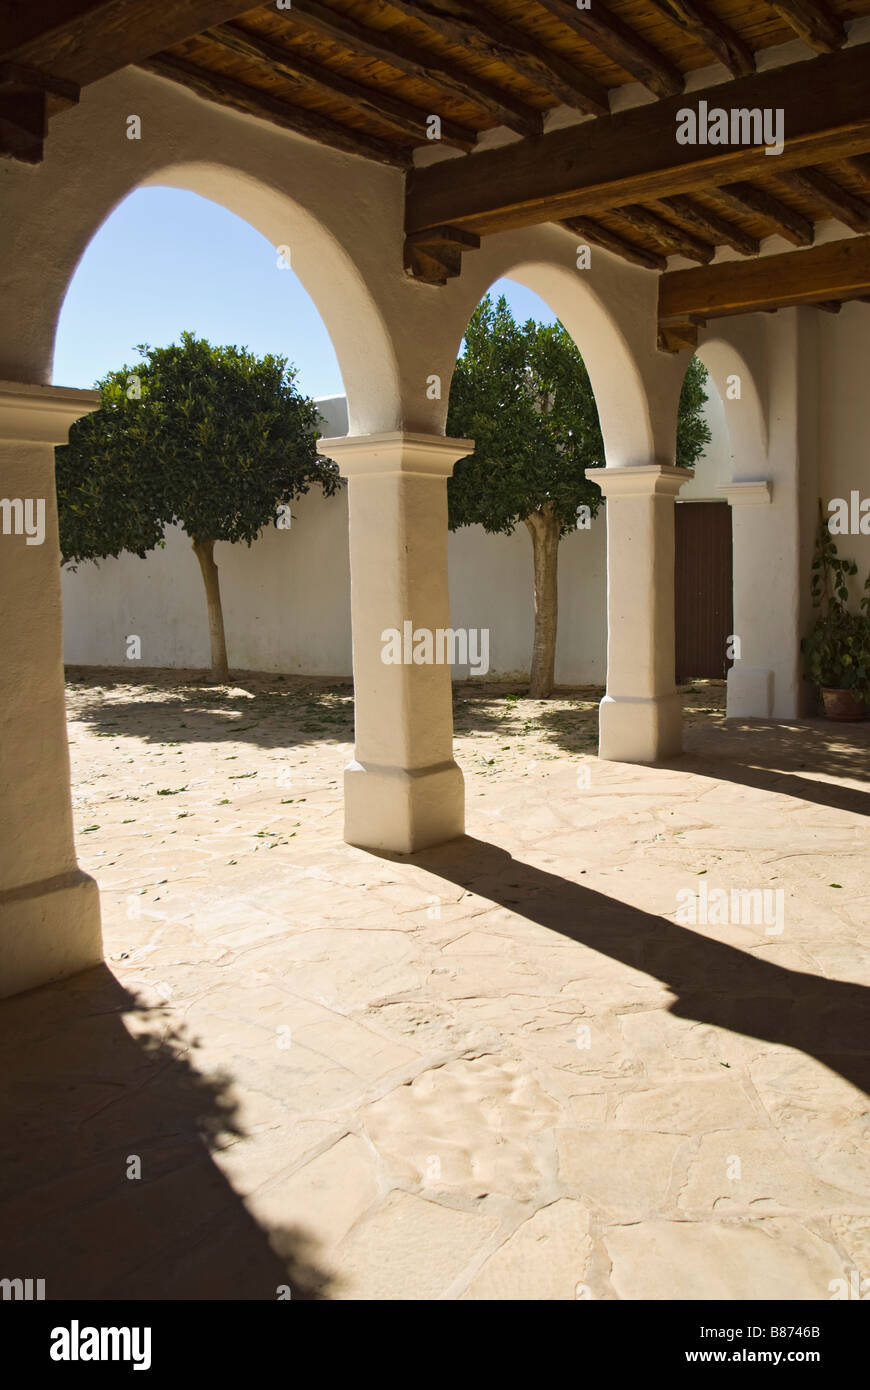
x=703, y=589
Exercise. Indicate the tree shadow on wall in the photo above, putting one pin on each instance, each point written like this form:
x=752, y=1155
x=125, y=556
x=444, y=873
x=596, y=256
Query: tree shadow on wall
x=80, y=1096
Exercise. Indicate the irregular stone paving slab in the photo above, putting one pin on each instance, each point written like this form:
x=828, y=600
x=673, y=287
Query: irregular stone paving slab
x=504, y=1068
x=776, y=1258
x=546, y=1258
x=409, y=1249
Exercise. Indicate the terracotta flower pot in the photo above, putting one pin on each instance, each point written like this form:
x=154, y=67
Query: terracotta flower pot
x=843, y=705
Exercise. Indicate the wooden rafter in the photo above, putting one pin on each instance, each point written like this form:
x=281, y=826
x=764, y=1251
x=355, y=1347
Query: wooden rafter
x=675, y=239
x=786, y=221
x=839, y=270
x=850, y=209
x=860, y=165
x=97, y=37
x=633, y=156
x=599, y=235
x=621, y=44
x=240, y=97
x=488, y=37
x=813, y=22
x=715, y=228
x=717, y=37
x=407, y=57
x=388, y=110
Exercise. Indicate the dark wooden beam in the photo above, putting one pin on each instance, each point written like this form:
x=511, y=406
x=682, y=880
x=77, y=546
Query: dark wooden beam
x=23, y=125
x=599, y=235
x=481, y=33
x=621, y=44
x=27, y=99
x=240, y=97
x=407, y=57
x=786, y=221
x=676, y=239
x=89, y=40
x=860, y=165
x=677, y=334
x=847, y=207
x=633, y=156
x=434, y=257
x=838, y=270
x=718, y=229
x=295, y=67
x=813, y=22
x=717, y=37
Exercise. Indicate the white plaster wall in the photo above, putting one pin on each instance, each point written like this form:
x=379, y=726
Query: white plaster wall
x=287, y=598
x=844, y=416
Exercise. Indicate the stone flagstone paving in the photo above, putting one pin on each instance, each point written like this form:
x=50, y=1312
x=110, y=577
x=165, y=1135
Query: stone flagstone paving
x=501, y=1069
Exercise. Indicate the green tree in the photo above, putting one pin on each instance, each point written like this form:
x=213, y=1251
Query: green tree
x=212, y=439
x=523, y=394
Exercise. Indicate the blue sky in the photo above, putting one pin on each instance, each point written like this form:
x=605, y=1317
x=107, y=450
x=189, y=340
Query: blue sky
x=166, y=261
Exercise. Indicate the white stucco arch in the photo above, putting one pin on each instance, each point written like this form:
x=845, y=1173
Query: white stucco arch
x=746, y=415
x=90, y=168
x=609, y=310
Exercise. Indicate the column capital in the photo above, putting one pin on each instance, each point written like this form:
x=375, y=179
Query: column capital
x=397, y=452
x=35, y=414
x=747, y=492
x=640, y=480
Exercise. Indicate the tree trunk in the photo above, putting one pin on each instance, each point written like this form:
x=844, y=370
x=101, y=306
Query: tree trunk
x=546, y=532
x=204, y=551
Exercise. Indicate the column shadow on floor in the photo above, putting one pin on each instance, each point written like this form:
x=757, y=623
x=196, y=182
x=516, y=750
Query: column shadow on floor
x=80, y=1095
x=781, y=758
x=714, y=983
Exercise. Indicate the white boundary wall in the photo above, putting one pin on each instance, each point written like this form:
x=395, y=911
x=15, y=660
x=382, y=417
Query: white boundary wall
x=287, y=603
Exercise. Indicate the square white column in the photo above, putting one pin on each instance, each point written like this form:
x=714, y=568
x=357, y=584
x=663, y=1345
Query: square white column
x=49, y=908
x=640, y=717
x=403, y=791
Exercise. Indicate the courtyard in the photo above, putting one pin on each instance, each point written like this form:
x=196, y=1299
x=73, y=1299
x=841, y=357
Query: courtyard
x=497, y=1069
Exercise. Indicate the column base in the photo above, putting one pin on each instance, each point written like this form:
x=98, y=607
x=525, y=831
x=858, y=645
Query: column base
x=48, y=930
x=400, y=811
x=750, y=693
x=642, y=730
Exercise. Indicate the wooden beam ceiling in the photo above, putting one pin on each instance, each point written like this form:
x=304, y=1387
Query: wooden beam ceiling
x=487, y=36
x=720, y=40
x=251, y=101
x=622, y=44
x=85, y=41
x=633, y=156
x=849, y=208
x=813, y=22
x=51, y=50
x=839, y=270
x=293, y=65
x=782, y=219
x=405, y=56
x=590, y=231
x=717, y=229
x=366, y=80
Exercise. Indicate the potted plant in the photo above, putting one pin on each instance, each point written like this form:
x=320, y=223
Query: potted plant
x=837, y=647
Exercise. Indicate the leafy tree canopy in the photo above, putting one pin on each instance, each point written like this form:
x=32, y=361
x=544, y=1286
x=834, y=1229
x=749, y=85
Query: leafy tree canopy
x=523, y=394
x=211, y=438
